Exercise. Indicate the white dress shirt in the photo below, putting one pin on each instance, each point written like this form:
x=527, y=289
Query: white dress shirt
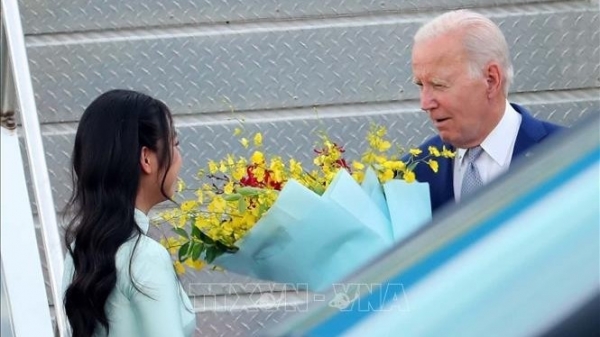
x=497, y=151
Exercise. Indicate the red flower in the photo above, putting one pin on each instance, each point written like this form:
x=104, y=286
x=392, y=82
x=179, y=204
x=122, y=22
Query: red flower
x=340, y=162
x=251, y=180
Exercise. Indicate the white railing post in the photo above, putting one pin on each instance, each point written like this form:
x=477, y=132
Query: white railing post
x=27, y=302
x=19, y=68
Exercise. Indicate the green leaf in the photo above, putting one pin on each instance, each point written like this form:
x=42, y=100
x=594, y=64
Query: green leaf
x=181, y=232
x=232, y=197
x=262, y=209
x=412, y=166
x=200, y=235
x=197, y=248
x=228, y=249
x=211, y=254
x=183, y=251
x=248, y=191
x=197, y=233
x=242, y=205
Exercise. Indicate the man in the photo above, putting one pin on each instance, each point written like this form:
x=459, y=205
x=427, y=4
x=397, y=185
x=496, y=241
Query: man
x=460, y=62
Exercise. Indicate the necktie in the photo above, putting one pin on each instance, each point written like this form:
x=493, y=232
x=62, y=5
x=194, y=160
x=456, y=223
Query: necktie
x=471, y=180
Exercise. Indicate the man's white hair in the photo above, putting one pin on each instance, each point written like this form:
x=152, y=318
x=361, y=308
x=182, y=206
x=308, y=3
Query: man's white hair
x=482, y=39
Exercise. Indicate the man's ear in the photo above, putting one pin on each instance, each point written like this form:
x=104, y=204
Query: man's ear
x=494, y=78
x=146, y=160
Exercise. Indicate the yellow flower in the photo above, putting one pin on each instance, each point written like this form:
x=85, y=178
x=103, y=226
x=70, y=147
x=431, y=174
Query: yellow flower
x=228, y=188
x=200, y=222
x=258, y=139
x=295, y=167
x=368, y=157
x=239, y=172
x=180, y=185
x=387, y=175
x=230, y=160
x=182, y=220
x=380, y=131
x=170, y=216
x=199, y=196
x=188, y=205
x=198, y=264
x=358, y=176
x=277, y=168
x=179, y=268
x=257, y=158
x=244, y=142
x=380, y=159
x=409, y=176
x=433, y=164
x=259, y=173
x=222, y=167
x=447, y=153
x=415, y=152
x=171, y=243
x=434, y=151
x=383, y=145
x=217, y=205
x=212, y=167
x=237, y=131
x=358, y=165
x=395, y=165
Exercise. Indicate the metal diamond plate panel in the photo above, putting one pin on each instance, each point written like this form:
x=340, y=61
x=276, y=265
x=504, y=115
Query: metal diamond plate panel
x=294, y=66
x=203, y=139
x=238, y=323
x=44, y=16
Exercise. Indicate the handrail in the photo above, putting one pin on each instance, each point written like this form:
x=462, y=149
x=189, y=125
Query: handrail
x=11, y=20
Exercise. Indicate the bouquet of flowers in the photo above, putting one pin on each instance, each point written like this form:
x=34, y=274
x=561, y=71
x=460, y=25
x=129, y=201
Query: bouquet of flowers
x=273, y=219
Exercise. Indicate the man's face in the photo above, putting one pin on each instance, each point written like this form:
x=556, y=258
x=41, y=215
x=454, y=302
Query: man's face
x=457, y=103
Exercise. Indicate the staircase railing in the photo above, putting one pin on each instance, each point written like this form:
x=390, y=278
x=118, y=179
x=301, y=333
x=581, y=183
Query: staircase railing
x=17, y=91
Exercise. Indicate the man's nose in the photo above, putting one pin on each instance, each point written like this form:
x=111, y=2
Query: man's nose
x=428, y=101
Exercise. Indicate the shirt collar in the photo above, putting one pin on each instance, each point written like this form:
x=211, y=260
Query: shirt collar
x=495, y=144
x=142, y=220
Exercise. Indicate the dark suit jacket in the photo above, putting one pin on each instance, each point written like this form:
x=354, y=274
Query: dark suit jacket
x=532, y=131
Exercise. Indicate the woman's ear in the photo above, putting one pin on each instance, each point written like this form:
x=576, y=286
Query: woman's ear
x=146, y=160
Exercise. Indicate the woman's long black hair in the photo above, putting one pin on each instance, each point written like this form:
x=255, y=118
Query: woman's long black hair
x=106, y=173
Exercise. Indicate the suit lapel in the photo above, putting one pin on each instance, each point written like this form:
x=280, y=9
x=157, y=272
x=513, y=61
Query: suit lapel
x=531, y=131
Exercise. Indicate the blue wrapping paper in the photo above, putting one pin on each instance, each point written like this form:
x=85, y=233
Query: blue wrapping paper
x=409, y=206
x=374, y=190
x=313, y=241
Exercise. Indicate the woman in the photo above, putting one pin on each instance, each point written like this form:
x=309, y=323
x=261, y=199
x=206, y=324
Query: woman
x=120, y=282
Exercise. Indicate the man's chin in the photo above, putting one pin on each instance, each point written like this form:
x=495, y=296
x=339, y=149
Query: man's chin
x=446, y=138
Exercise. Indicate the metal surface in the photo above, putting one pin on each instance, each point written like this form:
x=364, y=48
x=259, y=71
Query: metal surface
x=45, y=16
x=294, y=64
x=295, y=132
x=35, y=152
x=238, y=322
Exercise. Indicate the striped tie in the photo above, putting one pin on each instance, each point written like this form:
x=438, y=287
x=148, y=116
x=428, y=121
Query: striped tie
x=471, y=180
